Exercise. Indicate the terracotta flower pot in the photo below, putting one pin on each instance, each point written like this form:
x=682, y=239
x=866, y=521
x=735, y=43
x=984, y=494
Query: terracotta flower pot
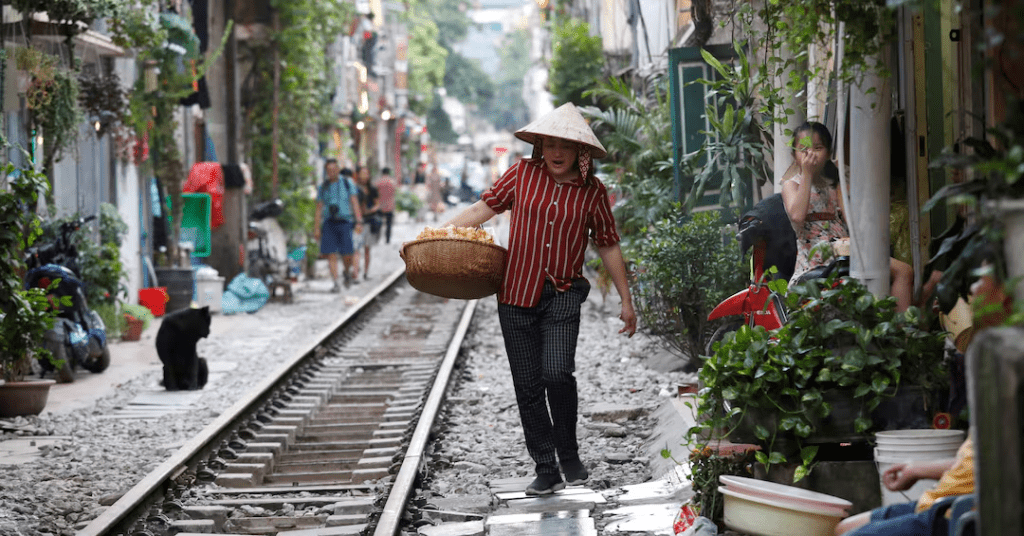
x=23, y=398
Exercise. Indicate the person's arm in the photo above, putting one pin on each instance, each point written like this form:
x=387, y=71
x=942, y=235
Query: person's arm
x=611, y=257
x=316, y=219
x=902, y=476
x=475, y=214
x=796, y=196
x=357, y=211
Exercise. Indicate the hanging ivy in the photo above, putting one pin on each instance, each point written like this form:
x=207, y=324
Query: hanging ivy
x=52, y=100
x=795, y=26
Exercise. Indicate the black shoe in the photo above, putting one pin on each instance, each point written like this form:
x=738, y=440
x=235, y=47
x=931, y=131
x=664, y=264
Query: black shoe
x=545, y=484
x=575, y=472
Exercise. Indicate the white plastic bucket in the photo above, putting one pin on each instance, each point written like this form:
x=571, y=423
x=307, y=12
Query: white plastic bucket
x=902, y=446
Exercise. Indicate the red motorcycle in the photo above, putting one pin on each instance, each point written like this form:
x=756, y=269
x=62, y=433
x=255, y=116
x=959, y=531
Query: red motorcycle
x=766, y=229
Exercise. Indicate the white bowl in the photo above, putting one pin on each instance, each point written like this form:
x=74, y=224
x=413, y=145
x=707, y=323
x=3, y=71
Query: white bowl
x=923, y=436
x=760, y=516
x=786, y=494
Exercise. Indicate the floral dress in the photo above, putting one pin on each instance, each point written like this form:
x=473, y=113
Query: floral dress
x=824, y=223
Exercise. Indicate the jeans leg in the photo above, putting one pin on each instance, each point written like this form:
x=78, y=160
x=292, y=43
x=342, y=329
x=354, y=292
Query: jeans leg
x=521, y=332
x=900, y=520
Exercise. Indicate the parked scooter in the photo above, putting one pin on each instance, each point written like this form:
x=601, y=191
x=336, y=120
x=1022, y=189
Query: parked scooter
x=78, y=337
x=266, y=262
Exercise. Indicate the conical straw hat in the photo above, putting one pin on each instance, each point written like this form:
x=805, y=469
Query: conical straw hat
x=564, y=122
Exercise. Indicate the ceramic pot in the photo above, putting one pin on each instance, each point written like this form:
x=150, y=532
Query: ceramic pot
x=18, y=399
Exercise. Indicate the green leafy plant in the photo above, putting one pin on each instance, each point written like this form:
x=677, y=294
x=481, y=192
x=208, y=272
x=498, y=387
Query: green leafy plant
x=637, y=132
x=577, y=61
x=840, y=344
x=997, y=166
x=302, y=105
x=99, y=263
x=103, y=99
x=407, y=201
x=52, y=99
x=138, y=312
x=108, y=313
x=706, y=466
x=685, y=267
x=736, y=145
x=25, y=315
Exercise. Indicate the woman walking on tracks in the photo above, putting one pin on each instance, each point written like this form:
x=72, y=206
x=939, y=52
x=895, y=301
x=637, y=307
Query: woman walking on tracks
x=556, y=204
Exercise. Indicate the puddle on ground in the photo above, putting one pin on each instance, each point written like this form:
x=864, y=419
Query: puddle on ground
x=655, y=519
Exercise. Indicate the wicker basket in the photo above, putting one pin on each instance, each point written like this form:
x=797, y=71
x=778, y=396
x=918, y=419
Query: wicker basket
x=454, y=268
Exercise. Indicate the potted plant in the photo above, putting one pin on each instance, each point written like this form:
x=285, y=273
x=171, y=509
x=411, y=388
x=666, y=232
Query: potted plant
x=841, y=350
x=51, y=97
x=25, y=314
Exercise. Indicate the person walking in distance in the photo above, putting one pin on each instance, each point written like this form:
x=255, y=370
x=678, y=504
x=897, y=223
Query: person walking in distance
x=556, y=204
x=369, y=199
x=387, y=188
x=337, y=216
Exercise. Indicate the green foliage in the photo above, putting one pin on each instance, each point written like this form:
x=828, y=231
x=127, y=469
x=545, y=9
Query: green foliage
x=306, y=82
x=577, y=62
x=99, y=264
x=466, y=81
x=25, y=315
x=638, y=136
x=838, y=338
x=52, y=99
x=705, y=467
x=426, y=61
x=407, y=201
x=76, y=15
x=102, y=97
x=795, y=25
x=738, y=141
x=138, y=312
x=439, y=125
x=685, y=267
x=451, y=20
x=997, y=166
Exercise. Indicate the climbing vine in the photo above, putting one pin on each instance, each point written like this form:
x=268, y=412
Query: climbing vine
x=305, y=90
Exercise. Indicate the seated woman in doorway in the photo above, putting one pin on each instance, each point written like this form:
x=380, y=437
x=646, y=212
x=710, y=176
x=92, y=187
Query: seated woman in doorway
x=811, y=194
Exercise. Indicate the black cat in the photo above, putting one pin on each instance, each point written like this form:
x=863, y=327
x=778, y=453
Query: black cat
x=176, y=342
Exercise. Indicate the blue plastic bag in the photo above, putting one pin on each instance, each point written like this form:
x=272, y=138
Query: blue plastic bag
x=244, y=295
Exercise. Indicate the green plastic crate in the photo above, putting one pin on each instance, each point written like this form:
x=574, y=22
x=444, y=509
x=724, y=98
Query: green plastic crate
x=195, y=221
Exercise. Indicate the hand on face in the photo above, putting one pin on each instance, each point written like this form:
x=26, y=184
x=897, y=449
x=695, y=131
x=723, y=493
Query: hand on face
x=811, y=154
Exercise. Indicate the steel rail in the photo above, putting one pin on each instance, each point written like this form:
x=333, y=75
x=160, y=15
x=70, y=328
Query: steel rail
x=143, y=494
x=391, y=516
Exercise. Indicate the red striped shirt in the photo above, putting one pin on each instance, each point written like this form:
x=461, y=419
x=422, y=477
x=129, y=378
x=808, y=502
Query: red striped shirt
x=550, y=224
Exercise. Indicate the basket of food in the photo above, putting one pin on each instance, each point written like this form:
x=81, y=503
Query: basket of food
x=460, y=263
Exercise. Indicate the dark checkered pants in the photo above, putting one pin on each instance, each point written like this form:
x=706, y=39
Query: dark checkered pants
x=541, y=346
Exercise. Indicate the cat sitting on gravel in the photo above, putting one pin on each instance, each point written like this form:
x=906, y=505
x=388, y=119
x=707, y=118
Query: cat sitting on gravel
x=176, y=342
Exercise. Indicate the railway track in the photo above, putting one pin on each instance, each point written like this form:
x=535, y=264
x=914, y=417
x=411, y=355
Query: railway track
x=332, y=440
